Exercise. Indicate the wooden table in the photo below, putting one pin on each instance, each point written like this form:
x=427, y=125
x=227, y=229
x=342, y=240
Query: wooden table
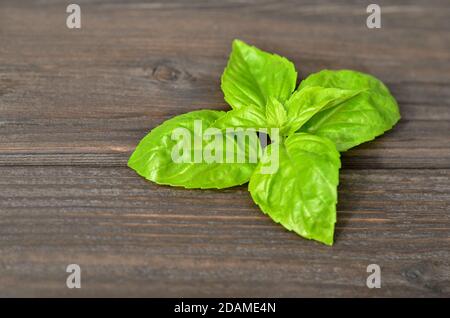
x=75, y=102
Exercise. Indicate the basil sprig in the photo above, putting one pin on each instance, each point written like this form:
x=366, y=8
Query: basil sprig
x=329, y=112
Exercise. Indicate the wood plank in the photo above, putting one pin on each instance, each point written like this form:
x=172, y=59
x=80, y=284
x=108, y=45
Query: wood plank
x=134, y=238
x=86, y=97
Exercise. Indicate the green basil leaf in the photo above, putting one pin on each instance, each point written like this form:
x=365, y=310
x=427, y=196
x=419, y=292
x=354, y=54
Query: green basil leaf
x=252, y=76
x=252, y=116
x=153, y=157
x=302, y=193
x=307, y=102
x=249, y=117
x=275, y=113
x=359, y=119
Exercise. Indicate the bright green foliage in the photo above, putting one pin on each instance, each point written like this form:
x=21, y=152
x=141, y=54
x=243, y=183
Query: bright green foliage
x=357, y=120
x=153, y=160
x=302, y=194
x=330, y=112
x=252, y=76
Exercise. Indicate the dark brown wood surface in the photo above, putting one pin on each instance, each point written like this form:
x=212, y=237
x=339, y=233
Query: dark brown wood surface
x=74, y=104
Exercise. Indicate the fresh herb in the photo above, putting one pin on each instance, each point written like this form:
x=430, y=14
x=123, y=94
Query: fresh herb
x=329, y=112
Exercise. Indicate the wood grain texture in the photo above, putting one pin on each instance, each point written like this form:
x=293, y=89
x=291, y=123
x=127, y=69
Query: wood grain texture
x=135, y=238
x=74, y=103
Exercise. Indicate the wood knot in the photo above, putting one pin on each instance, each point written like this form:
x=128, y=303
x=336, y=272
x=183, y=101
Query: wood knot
x=166, y=73
x=412, y=274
